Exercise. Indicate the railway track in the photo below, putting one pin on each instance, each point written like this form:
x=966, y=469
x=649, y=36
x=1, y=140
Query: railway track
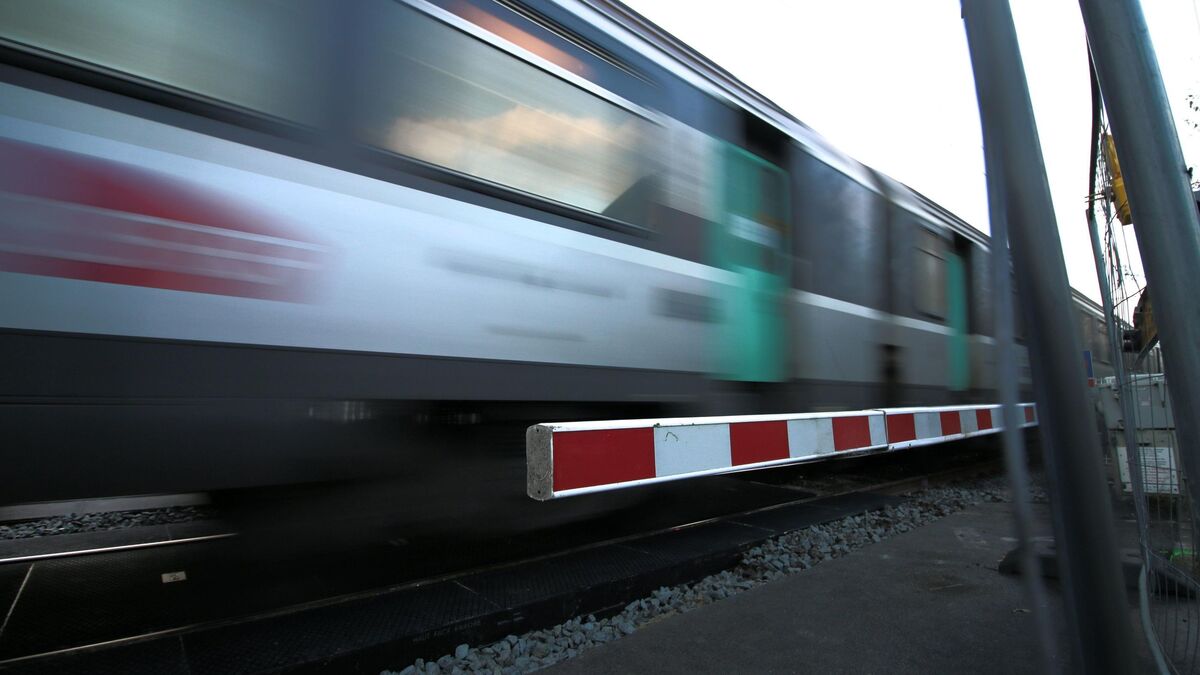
x=903, y=485
x=714, y=539
x=116, y=548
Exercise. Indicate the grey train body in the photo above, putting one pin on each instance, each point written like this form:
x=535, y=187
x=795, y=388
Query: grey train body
x=325, y=281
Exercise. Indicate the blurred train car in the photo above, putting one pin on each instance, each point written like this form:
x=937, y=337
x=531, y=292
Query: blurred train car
x=275, y=242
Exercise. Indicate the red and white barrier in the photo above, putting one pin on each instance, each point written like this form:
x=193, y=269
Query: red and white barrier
x=571, y=458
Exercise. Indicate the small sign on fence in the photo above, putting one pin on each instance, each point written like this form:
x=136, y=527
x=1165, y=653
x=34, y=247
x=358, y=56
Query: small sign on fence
x=1159, y=476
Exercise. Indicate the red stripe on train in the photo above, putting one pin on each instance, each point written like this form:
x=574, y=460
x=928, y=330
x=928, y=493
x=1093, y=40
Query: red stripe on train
x=77, y=216
x=134, y=276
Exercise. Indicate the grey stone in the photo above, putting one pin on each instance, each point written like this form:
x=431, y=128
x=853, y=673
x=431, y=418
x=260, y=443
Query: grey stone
x=92, y=522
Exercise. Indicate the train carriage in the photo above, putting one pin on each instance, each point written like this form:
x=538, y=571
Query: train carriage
x=262, y=243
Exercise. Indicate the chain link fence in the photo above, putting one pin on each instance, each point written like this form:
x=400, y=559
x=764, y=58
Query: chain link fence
x=1142, y=449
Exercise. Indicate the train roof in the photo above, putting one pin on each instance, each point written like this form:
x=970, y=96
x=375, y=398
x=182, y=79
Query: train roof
x=952, y=221
x=700, y=71
x=671, y=53
x=668, y=51
x=1089, y=305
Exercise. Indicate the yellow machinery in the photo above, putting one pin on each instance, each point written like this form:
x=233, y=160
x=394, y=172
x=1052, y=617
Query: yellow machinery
x=1118, y=183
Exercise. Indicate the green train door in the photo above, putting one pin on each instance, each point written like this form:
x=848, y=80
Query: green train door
x=957, y=348
x=749, y=239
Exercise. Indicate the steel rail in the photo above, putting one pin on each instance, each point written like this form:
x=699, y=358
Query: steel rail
x=889, y=487
x=99, y=550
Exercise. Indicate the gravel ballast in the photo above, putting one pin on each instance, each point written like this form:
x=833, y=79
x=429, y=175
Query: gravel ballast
x=93, y=522
x=787, y=554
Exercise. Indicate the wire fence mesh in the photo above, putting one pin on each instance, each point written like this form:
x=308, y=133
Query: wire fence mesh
x=1140, y=434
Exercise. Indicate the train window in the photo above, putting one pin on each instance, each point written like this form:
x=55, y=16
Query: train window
x=1100, y=341
x=257, y=55
x=1087, y=333
x=930, y=274
x=773, y=202
x=1097, y=340
x=448, y=98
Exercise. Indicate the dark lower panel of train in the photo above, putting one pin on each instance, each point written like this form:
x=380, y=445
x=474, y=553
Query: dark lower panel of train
x=87, y=416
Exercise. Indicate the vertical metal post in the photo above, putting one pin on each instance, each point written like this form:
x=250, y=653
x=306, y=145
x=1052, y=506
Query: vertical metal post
x=1015, y=459
x=1086, y=543
x=1132, y=454
x=1160, y=198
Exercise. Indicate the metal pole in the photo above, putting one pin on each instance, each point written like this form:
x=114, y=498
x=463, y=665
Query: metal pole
x=1132, y=453
x=1164, y=215
x=1015, y=461
x=1086, y=544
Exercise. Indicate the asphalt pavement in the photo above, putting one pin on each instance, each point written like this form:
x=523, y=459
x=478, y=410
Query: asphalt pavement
x=928, y=601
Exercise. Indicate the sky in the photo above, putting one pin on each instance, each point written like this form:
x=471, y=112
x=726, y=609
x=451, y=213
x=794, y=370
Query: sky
x=890, y=84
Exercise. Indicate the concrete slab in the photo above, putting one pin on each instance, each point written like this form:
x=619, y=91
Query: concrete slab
x=931, y=600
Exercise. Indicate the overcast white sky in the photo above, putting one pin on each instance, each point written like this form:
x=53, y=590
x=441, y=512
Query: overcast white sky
x=890, y=84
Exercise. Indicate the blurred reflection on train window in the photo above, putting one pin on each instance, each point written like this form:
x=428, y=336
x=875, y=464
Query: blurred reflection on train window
x=772, y=205
x=260, y=55
x=772, y=215
x=930, y=273
x=445, y=97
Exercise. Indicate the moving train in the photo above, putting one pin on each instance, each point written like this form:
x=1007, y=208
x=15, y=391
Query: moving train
x=275, y=242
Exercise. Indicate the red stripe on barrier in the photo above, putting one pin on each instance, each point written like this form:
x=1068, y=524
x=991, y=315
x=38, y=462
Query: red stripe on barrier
x=587, y=458
x=751, y=442
x=983, y=419
x=901, y=428
x=951, y=423
x=1029, y=414
x=851, y=432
